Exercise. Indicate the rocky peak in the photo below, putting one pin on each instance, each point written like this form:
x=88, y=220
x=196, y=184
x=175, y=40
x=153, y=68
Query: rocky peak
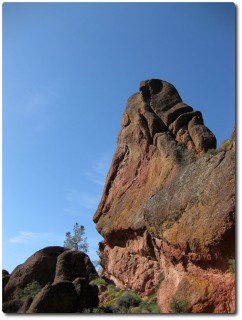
x=158, y=108
x=167, y=206
x=159, y=134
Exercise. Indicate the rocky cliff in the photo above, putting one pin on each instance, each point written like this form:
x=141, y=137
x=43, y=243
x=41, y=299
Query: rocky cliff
x=168, y=204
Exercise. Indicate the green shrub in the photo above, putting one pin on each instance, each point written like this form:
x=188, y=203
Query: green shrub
x=29, y=291
x=112, y=289
x=135, y=310
x=232, y=265
x=125, y=301
x=98, y=281
x=162, y=278
x=212, y=152
x=100, y=309
x=225, y=145
x=153, y=308
x=149, y=305
x=179, y=306
x=113, y=292
x=129, y=299
x=112, y=295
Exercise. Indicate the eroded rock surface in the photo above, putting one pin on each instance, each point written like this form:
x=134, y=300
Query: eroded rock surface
x=167, y=209
x=63, y=276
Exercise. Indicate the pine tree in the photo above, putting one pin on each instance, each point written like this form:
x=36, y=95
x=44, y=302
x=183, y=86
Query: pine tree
x=78, y=241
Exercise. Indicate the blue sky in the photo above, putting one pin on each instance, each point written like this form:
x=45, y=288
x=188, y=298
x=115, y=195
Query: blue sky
x=68, y=70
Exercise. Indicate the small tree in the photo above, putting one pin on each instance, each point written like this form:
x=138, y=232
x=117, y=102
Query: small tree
x=78, y=241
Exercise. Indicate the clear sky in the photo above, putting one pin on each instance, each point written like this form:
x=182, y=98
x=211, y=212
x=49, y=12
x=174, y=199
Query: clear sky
x=68, y=70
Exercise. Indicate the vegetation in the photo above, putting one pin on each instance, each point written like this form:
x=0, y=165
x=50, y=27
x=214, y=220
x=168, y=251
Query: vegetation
x=149, y=305
x=162, y=278
x=100, y=309
x=232, y=265
x=125, y=301
x=112, y=294
x=212, y=152
x=78, y=241
x=225, y=145
x=29, y=291
x=98, y=281
x=179, y=306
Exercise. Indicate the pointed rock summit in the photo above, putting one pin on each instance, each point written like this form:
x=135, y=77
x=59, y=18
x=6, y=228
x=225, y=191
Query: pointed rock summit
x=168, y=204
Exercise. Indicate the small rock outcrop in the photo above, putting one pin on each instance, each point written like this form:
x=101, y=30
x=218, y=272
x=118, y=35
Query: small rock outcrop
x=5, y=278
x=168, y=205
x=63, y=278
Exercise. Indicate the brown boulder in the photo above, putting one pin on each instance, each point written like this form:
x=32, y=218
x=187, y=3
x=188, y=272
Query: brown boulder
x=12, y=306
x=59, y=297
x=5, y=278
x=39, y=267
x=87, y=294
x=58, y=271
x=26, y=304
x=5, y=273
x=73, y=264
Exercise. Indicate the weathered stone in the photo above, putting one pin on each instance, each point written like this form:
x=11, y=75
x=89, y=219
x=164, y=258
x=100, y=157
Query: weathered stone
x=87, y=294
x=133, y=266
x=54, y=268
x=173, y=113
x=125, y=120
x=167, y=208
x=5, y=277
x=202, y=137
x=39, y=267
x=73, y=264
x=5, y=273
x=182, y=120
x=24, y=308
x=12, y=306
x=165, y=99
x=60, y=297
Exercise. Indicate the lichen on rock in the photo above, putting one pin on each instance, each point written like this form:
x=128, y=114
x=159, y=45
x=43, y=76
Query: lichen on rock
x=168, y=207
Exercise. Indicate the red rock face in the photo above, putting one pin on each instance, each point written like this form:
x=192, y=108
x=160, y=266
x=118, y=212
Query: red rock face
x=167, y=209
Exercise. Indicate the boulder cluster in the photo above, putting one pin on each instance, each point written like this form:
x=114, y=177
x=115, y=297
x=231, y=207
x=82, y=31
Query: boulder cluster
x=63, y=278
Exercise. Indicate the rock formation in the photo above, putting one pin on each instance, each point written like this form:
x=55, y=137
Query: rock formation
x=167, y=209
x=64, y=277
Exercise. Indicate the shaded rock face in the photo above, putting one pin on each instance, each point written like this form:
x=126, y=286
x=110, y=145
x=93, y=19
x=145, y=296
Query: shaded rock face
x=73, y=264
x=59, y=297
x=39, y=267
x=57, y=270
x=5, y=278
x=167, y=209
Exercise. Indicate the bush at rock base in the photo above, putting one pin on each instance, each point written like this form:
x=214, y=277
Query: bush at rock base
x=101, y=309
x=179, y=306
x=225, y=145
x=98, y=281
x=127, y=299
x=29, y=291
